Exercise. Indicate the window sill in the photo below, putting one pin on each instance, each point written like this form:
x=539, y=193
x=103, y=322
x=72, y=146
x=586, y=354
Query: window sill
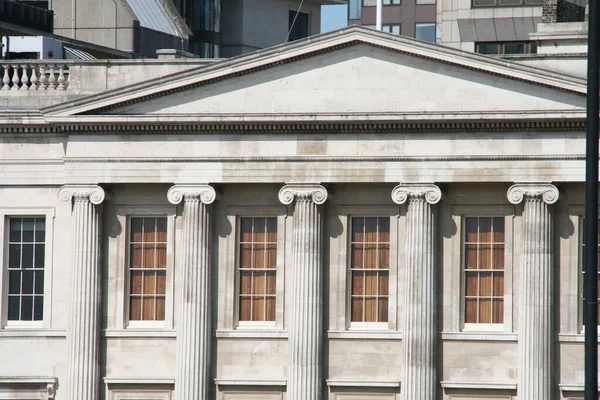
x=250, y=382
x=22, y=332
x=365, y=334
x=479, y=385
x=139, y=333
x=360, y=383
x=134, y=380
x=252, y=334
x=480, y=336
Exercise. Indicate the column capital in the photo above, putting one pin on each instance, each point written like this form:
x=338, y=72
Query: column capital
x=544, y=190
x=94, y=193
x=303, y=191
x=405, y=191
x=204, y=192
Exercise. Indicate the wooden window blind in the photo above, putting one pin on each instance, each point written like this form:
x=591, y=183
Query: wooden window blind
x=370, y=265
x=484, y=270
x=257, y=268
x=147, y=268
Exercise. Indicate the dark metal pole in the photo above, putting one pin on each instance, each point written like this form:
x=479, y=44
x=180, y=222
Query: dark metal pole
x=591, y=207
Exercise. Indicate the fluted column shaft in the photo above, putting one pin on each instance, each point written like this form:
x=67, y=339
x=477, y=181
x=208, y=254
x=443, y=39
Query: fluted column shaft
x=83, y=335
x=419, y=336
x=536, y=326
x=194, y=331
x=306, y=314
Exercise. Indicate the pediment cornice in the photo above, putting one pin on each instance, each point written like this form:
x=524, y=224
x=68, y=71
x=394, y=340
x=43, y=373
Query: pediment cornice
x=291, y=52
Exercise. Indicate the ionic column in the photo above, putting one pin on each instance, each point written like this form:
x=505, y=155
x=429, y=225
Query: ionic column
x=194, y=331
x=83, y=335
x=419, y=335
x=306, y=311
x=536, y=333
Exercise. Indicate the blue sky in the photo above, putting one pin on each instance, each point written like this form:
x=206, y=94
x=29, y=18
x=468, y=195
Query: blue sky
x=333, y=17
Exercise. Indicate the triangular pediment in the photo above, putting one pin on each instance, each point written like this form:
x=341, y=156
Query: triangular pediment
x=351, y=72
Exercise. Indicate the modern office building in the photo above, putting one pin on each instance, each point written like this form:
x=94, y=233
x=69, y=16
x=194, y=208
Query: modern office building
x=495, y=27
x=353, y=216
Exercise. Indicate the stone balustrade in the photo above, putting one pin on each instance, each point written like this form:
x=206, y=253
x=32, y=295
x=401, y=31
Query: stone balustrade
x=44, y=83
x=35, y=76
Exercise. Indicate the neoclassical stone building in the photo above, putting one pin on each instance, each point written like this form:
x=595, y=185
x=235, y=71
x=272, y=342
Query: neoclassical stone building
x=353, y=216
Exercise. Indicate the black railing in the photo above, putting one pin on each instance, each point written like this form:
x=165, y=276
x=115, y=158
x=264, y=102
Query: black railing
x=26, y=15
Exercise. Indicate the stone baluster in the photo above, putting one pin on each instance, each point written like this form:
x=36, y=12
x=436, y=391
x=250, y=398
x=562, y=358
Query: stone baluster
x=62, y=82
x=419, y=335
x=15, y=78
x=194, y=331
x=6, y=78
x=83, y=335
x=536, y=326
x=43, y=78
x=52, y=78
x=25, y=77
x=306, y=313
x=34, y=77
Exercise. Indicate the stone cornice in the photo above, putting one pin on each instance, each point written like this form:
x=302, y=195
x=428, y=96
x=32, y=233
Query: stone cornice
x=302, y=191
x=203, y=192
x=294, y=127
x=543, y=190
x=406, y=191
x=94, y=193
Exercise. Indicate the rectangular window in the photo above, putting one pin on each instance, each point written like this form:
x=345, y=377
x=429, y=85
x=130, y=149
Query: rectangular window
x=484, y=249
x=583, y=270
x=257, y=268
x=355, y=9
x=370, y=268
x=428, y=32
x=426, y=1
x=26, y=261
x=298, y=25
x=391, y=28
x=372, y=3
x=506, y=48
x=147, y=268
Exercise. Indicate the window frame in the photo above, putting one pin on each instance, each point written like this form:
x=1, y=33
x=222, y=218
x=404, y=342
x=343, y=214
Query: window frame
x=459, y=214
x=497, y=3
x=124, y=215
x=502, y=50
x=346, y=213
x=399, y=3
x=308, y=24
x=230, y=302
x=5, y=214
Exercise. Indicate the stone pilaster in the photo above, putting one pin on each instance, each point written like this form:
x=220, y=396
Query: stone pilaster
x=83, y=335
x=306, y=311
x=419, y=335
x=194, y=330
x=536, y=327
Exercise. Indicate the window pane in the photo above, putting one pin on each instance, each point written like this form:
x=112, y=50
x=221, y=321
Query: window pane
x=498, y=311
x=14, y=256
x=483, y=3
x=149, y=284
x=514, y=48
x=498, y=227
x=271, y=281
x=488, y=48
x=27, y=283
x=258, y=309
x=270, y=309
x=383, y=310
x=471, y=311
x=13, y=308
x=259, y=254
x=498, y=284
x=245, y=282
x=245, y=308
x=136, y=230
x=148, y=256
x=471, y=230
x=485, y=311
x=161, y=230
x=358, y=227
x=27, y=308
x=135, y=308
x=510, y=2
x=15, y=229
x=498, y=257
x=14, y=282
x=27, y=256
x=471, y=256
x=357, y=256
x=40, y=230
x=485, y=284
x=28, y=229
x=136, y=282
x=370, y=309
x=136, y=256
x=259, y=285
x=485, y=230
x=384, y=286
x=354, y=9
x=357, y=310
x=160, y=308
x=369, y=3
x=246, y=230
x=161, y=282
x=39, y=282
x=357, y=283
x=471, y=283
x=149, y=230
x=38, y=308
x=246, y=255
x=425, y=32
x=371, y=283
x=370, y=230
x=39, y=257
x=148, y=309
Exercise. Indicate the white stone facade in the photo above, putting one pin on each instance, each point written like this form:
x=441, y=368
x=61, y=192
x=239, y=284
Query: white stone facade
x=286, y=152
